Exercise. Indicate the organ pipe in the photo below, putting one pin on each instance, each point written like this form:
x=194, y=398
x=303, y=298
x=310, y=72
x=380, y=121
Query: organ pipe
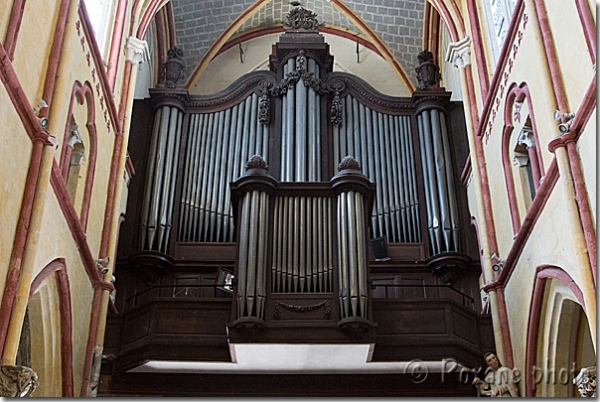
x=160, y=179
x=442, y=210
x=218, y=146
x=383, y=144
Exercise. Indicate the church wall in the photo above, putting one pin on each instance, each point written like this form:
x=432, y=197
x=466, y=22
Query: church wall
x=556, y=236
x=5, y=8
x=15, y=154
x=588, y=157
x=571, y=50
x=33, y=46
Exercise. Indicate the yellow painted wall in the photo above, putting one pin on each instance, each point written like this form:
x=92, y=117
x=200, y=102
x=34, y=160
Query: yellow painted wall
x=571, y=50
x=5, y=9
x=33, y=46
x=15, y=154
x=552, y=239
x=588, y=159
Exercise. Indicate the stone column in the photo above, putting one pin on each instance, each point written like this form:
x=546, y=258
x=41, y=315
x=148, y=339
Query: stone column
x=459, y=53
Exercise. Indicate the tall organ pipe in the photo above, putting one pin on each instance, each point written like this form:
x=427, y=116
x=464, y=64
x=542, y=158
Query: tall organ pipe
x=160, y=179
x=187, y=183
x=170, y=200
x=442, y=209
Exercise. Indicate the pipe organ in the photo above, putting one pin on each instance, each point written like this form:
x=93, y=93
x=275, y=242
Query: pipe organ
x=300, y=228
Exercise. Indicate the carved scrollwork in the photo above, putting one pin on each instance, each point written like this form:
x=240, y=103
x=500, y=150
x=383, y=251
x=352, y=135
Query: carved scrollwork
x=302, y=19
x=300, y=73
x=345, y=83
x=17, y=381
x=302, y=309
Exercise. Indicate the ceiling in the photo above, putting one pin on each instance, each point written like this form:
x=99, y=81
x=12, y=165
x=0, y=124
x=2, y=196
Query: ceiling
x=397, y=23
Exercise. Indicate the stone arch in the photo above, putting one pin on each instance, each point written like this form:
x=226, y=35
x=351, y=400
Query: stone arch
x=46, y=298
x=557, y=305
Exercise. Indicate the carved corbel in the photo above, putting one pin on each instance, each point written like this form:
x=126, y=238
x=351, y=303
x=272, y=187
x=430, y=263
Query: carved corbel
x=586, y=382
x=17, y=381
x=459, y=53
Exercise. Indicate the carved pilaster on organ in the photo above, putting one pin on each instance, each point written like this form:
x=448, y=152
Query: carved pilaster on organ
x=17, y=381
x=586, y=382
x=336, y=110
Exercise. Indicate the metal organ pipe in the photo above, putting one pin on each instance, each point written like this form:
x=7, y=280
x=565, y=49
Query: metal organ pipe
x=383, y=145
x=150, y=178
x=218, y=147
x=442, y=210
x=160, y=179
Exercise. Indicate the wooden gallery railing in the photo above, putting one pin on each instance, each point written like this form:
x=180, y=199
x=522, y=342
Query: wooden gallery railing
x=302, y=241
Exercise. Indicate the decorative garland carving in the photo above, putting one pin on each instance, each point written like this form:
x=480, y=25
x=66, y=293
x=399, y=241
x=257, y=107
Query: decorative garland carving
x=300, y=73
x=336, y=110
x=17, y=381
x=302, y=309
x=302, y=19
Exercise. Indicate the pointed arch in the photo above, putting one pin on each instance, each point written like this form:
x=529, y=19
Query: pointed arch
x=543, y=273
x=518, y=94
x=83, y=94
x=58, y=268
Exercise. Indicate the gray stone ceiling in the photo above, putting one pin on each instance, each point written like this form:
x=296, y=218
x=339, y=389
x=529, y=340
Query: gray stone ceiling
x=398, y=23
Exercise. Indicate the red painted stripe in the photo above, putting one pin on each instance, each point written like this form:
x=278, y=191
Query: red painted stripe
x=171, y=25
x=115, y=44
x=14, y=25
x=53, y=60
x=500, y=66
x=482, y=67
x=589, y=26
x=106, y=88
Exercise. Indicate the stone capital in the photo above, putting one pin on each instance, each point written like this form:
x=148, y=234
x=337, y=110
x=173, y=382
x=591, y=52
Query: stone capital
x=586, y=382
x=17, y=381
x=459, y=53
x=137, y=50
x=526, y=137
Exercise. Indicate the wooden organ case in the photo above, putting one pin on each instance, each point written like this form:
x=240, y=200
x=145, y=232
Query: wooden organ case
x=284, y=180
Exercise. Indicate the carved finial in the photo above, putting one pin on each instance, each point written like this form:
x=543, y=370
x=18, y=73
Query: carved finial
x=256, y=162
x=349, y=163
x=302, y=19
x=428, y=73
x=173, y=68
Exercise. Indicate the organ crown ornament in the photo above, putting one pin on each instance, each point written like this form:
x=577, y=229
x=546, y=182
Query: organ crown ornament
x=428, y=73
x=301, y=19
x=173, y=68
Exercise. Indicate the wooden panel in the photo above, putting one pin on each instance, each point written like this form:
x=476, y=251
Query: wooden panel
x=404, y=318
x=465, y=327
x=137, y=327
x=205, y=319
x=205, y=252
